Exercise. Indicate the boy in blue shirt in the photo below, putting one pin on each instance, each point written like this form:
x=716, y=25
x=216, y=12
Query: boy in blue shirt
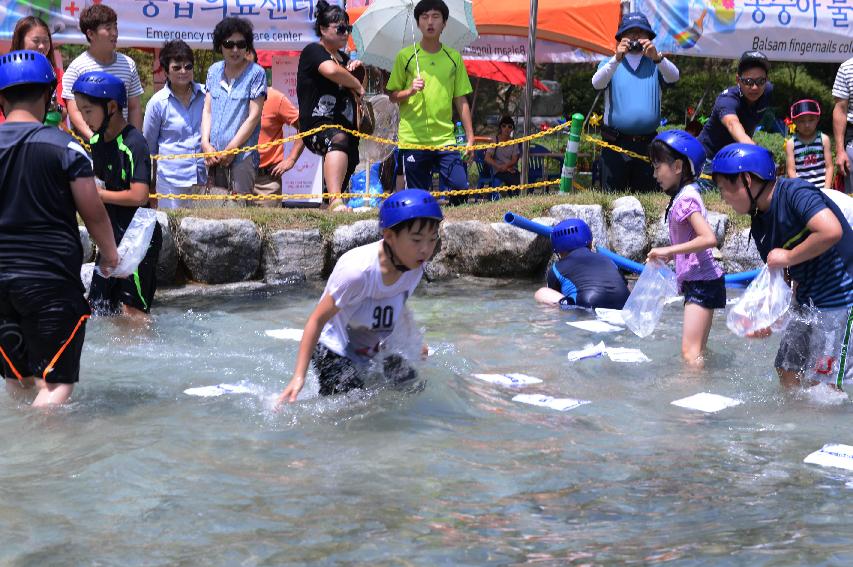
x=122, y=162
x=797, y=227
x=46, y=179
x=580, y=276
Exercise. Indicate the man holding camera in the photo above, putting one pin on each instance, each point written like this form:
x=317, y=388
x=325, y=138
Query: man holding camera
x=632, y=81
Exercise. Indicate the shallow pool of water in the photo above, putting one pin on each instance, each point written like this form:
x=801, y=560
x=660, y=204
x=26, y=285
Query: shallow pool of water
x=135, y=472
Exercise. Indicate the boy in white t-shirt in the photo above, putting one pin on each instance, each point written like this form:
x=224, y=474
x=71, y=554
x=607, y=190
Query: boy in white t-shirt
x=365, y=298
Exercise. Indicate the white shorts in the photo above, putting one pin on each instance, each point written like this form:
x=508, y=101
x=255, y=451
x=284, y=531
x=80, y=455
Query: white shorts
x=816, y=345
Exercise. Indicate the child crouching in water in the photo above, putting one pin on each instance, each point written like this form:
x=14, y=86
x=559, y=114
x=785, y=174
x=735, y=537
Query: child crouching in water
x=677, y=158
x=365, y=298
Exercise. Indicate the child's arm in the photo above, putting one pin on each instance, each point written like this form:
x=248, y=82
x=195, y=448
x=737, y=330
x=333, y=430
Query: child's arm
x=321, y=315
x=97, y=221
x=704, y=239
x=136, y=196
x=77, y=120
x=825, y=232
x=827, y=159
x=464, y=110
x=790, y=164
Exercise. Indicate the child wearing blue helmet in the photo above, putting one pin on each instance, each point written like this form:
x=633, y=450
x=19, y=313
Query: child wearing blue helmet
x=580, y=276
x=365, y=298
x=796, y=226
x=677, y=159
x=121, y=160
x=46, y=179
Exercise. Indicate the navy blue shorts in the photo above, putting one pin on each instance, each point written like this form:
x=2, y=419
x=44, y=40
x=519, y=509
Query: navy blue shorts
x=710, y=294
x=106, y=295
x=42, y=329
x=452, y=171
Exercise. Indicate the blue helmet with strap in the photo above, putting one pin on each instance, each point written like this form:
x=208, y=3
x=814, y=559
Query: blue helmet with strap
x=686, y=145
x=25, y=68
x=745, y=158
x=406, y=205
x=98, y=84
x=570, y=234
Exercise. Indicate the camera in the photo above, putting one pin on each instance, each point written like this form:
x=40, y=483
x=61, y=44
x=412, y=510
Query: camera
x=635, y=45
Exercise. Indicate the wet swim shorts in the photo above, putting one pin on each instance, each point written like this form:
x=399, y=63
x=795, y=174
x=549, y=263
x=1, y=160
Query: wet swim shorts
x=816, y=344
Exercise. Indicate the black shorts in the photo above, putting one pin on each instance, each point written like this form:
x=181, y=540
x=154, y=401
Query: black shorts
x=106, y=295
x=322, y=142
x=710, y=294
x=338, y=374
x=42, y=328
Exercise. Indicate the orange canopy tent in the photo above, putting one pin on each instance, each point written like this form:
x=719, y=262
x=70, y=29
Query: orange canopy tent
x=588, y=24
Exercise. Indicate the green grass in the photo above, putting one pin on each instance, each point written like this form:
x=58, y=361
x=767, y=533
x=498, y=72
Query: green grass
x=269, y=220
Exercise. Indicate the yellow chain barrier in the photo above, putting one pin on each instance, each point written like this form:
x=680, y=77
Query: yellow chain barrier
x=629, y=153
x=251, y=197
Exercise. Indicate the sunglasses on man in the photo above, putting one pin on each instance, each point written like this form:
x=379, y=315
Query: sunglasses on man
x=239, y=44
x=750, y=82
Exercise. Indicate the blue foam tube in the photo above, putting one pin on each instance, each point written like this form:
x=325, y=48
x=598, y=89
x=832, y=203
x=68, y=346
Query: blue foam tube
x=526, y=224
x=739, y=279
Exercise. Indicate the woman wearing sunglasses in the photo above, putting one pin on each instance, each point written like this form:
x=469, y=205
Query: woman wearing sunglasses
x=738, y=109
x=172, y=125
x=236, y=90
x=326, y=89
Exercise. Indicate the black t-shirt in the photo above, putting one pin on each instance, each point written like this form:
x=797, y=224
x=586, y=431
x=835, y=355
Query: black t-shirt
x=321, y=101
x=589, y=279
x=39, y=237
x=117, y=163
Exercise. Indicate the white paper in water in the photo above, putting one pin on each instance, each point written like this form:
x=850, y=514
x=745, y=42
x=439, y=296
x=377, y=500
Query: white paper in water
x=612, y=316
x=512, y=380
x=218, y=390
x=620, y=354
x=285, y=334
x=589, y=351
x=832, y=455
x=594, y=326
x=559, y=404
x=709, y=403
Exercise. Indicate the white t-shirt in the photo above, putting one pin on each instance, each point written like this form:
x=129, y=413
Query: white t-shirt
x=122, y=67
x=368, y=308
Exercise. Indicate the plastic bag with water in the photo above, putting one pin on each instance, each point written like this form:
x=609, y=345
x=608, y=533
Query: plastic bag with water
x=134, y=244
x=764, y=302
x=645, y=305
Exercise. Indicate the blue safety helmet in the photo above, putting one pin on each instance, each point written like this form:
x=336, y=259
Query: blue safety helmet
x=634, y=20
x=98, y=84
x=25, y=68
x=570, y=234
x=745, y=158
x=686, y=145
x=407, y=205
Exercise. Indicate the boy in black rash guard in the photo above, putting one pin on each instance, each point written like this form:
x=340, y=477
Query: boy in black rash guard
x=122, y=162
x=580, y=276
x=45, y=180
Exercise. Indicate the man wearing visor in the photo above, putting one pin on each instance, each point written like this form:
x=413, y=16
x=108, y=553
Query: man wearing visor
x=738, y=109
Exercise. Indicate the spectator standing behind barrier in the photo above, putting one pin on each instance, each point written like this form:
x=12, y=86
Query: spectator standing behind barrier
x=99, y=23
x=427, y=97
x=842, y=123
x=33, y=34
x=236, y=89
x=504, y=159
x=172, y=125
x=738, y=109
x=277, y=112
x=632, y=81
x=325, y=88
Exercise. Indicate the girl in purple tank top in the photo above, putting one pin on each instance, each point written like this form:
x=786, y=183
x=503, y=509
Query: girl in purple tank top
x=677, y=158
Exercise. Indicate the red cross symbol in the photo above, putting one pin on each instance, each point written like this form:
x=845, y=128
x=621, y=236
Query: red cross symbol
x=73, y=8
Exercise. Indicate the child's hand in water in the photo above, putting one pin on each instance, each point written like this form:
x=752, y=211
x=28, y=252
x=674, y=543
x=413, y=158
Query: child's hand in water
x=760, y=334
x=662, y=254
x=291, y=392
